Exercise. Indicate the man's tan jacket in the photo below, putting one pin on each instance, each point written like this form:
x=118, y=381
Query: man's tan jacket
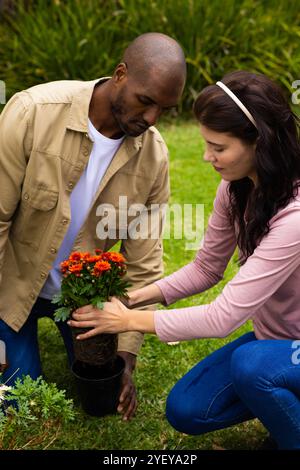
x=44, y=148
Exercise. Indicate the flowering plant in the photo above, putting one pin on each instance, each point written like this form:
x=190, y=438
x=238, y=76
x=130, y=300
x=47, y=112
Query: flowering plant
x=3, y=389
x=32, y=413
x=89, y=279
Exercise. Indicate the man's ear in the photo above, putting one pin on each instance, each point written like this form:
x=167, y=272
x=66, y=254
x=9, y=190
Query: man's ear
x=120, y=72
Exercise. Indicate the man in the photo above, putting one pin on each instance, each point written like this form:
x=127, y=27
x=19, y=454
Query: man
x=67, y=147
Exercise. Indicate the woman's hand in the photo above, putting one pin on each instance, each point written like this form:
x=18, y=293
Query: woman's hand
x=112, y=319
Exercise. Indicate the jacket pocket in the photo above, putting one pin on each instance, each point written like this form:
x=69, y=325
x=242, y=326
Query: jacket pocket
x=34, y=215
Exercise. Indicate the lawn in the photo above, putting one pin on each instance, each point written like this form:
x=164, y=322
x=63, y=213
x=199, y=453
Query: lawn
x=159, y=365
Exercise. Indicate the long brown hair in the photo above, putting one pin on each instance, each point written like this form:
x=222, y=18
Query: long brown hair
x=277, y=154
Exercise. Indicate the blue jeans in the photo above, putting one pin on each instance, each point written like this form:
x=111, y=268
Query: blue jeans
x=245, y=379
x=22, y=349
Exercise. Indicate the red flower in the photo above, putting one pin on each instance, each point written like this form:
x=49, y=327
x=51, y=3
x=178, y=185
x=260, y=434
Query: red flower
x=99, y=267
x=85, y=255
x=117, y=257
x=93, y=259
x=75, y=256
x=113, y=256
x=64, y=266
x=76, y=268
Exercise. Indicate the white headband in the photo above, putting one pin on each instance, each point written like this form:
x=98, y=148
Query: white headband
x=238, y=102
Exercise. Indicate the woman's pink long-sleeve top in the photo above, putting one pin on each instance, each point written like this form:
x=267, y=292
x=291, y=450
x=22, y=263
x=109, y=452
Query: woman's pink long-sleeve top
x=265, y=289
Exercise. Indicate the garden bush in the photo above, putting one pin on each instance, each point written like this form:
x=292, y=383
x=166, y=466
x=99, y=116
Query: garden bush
x=83, y=39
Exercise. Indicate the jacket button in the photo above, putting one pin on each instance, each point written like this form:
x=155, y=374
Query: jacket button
x=26, y=196
x=86, y=152
x=32, y=295
x=43, y=275
x=70, y=185
x=65, y=221
x=53, y=250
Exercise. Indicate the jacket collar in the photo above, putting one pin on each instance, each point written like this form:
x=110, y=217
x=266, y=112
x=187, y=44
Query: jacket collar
x=79, y=110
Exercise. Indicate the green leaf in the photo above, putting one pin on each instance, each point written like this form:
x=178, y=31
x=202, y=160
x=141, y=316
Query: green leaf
x=57, y=299
x=62, y=314
x=98, y=302
x=86, y=289
x=73, y=296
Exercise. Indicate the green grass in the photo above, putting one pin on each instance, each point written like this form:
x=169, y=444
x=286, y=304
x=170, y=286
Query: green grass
x=159, y=365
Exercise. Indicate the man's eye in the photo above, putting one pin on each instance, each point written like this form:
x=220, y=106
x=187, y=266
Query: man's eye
x=219, y=150
x=144, y=100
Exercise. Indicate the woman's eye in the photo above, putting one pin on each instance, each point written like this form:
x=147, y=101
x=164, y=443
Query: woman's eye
x=219, y=150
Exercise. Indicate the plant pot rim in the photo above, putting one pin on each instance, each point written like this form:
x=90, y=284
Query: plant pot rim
x=105, y=379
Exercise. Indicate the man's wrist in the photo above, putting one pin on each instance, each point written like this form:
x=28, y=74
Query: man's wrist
x=130, y=360
x=133, y=298
x=147, y=295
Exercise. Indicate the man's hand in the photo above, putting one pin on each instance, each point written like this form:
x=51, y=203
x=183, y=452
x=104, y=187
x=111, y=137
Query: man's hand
x=128, y=400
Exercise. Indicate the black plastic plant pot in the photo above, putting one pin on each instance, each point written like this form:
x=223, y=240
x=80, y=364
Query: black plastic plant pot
x=99, y=387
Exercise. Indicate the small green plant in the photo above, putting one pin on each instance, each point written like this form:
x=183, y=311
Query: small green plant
x=32, y=414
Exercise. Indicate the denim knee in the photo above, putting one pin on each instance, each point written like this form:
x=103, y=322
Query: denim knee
x=178, y=411
x=182, y=416
x=248, y=366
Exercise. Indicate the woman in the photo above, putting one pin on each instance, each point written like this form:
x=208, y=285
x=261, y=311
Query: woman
x=252, y=140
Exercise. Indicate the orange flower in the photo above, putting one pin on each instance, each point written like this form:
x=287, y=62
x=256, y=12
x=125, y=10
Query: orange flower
x=75, y=256
x=64, y=266
x=99, y=267
x=113, y=256
x=85, y=255
x=117, y=257
x=93, y=259
x=76, y=268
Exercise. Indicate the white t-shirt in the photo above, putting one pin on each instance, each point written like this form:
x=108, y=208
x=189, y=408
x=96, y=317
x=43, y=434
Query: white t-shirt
x=81, y=200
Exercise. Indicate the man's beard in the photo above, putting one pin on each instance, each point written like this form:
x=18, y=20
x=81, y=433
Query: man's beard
x=139, y=126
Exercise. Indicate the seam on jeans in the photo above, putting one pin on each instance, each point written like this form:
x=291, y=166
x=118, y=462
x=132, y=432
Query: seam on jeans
x=287, y=412
x=229, y=422
x=271, y=380
x=215, y=397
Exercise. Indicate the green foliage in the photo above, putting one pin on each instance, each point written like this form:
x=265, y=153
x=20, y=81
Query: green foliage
x=34, y=414
x=84, y=39
x=62, y=313
x=97, y=302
